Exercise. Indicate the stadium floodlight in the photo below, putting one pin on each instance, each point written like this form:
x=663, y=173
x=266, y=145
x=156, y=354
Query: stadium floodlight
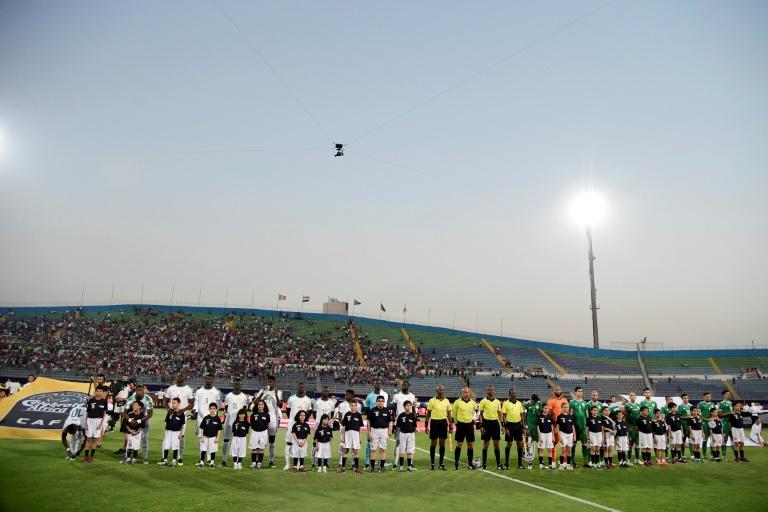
x=588, y=208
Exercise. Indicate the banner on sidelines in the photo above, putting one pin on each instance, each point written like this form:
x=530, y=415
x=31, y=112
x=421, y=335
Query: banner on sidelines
x=39, y=410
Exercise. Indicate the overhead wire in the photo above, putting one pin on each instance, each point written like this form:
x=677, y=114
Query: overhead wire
x=272, y=69
x=468, y=78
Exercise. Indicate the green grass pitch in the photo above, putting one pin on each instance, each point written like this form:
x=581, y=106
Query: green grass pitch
x=36, y=477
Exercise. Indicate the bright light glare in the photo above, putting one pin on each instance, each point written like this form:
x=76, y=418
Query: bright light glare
x=588, y=208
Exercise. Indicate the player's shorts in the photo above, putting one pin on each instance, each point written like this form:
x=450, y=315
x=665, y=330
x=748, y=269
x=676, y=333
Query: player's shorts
x=609, y=440
x=513, y=432
x=465, y=432
x=228, y=427
x=705, y=427
x=407, y=442
x=94, y=427
x=697, y=437
x=634, y=434
x=238, y=446
x=726, y=428
x=580, y=433
x=595, y=439
x=566, y=440
x=274, y=423
x=492, y=430
x=545, y=440
x=676, y=437
x=378, y=438
x=351, y=439
x=258, y=440
x=645, y=441
x=288, y=436
x=660, y=441
x=209, y=444
x=737, y=434
x=622, y=443
x=686, y=429
x=298, y=451
x=533, y=430
x=716, y=440
x=323, y=451
x=134, y=441
x=438, y=429
x=171, y=440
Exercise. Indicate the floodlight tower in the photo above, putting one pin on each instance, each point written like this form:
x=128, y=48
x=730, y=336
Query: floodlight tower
x=587, y=209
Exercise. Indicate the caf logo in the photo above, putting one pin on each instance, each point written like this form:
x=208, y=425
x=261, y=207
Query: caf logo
x=43, y=410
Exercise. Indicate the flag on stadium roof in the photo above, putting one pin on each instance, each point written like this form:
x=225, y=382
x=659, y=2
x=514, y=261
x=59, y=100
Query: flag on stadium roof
x=305, y=298
x=280, y=296
x=383, y=308
x=356, y=303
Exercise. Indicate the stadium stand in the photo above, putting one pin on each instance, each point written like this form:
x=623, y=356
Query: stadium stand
x=522, y=358
x=155, y=345
x=595, y=365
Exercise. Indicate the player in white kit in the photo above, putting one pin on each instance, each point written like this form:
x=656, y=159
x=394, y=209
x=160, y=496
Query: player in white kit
x=204, y=397
x=235, y=401
x=298, y=402
x=398, y=401
x=342, y=409
x=325, y=405
x=74, y=428
x=186, y=396
x=274, y=399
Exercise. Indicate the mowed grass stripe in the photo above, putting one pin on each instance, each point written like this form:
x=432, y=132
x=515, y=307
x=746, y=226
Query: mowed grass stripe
x=36, y=477
x=538, y=487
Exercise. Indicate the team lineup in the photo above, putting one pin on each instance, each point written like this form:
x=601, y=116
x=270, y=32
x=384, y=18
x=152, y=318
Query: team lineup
x=548, y=430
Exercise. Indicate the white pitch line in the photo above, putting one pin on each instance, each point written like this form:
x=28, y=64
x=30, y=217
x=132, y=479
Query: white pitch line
x=539, y=487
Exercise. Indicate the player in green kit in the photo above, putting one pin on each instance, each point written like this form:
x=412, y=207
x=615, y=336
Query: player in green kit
x=667, y=404
x=725, y=411
x=705, y=408
x=633, y=414
x=665, y=410
x=532, y=413
x=684, y=410
x=579, y=412
x=650, y=404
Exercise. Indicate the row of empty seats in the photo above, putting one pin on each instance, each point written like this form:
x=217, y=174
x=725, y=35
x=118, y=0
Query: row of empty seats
x=596, y=365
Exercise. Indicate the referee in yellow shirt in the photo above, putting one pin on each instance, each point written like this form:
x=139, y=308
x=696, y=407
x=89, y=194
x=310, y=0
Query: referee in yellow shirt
x=512, y=417
x=438, y=424
x=490, y=429
x=463, y=412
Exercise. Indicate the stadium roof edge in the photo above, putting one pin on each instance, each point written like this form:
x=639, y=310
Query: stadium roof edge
x=558, y=347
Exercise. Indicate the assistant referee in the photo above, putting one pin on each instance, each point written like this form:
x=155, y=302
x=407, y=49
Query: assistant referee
x=512, y=418
x=489, y=425
x=438, y=423
x=463, y=412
